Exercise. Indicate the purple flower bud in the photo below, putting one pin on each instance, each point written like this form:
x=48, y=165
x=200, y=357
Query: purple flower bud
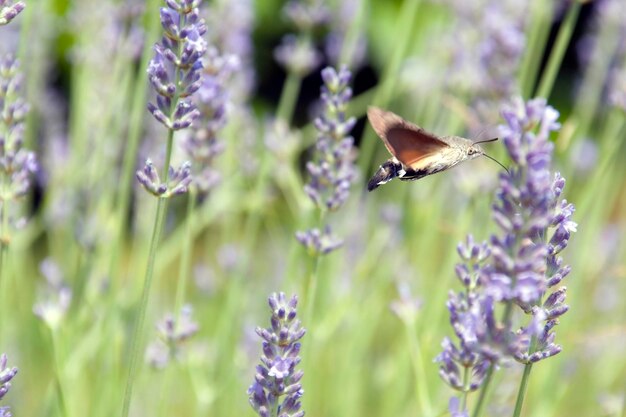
x=6, y=375
x=8, y=13
x=276, y=376
x=521, y=262
x=317, y=242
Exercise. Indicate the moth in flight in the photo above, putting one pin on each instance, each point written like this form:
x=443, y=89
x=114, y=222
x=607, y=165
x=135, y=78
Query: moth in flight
x=416, y=153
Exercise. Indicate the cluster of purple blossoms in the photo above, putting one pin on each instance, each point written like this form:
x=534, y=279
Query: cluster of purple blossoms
x=8, y=12
x=338, y=36
x=212, y=100
x=486, y=51
x=230, y=25
x=603, y=49
x=277, y=376
x=175, y=74
x=6, y=375
x=173, y=332
x=297, y=53
x=17, y=164
x=520, y=265
x=333, y=171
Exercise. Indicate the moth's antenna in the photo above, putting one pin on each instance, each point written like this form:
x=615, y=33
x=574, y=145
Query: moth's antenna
x=485, y=141
x=495, y=160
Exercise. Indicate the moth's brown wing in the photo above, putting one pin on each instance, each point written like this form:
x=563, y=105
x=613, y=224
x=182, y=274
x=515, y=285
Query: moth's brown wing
x=409, y=143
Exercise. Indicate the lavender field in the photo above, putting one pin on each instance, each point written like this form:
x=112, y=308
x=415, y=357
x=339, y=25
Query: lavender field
x=186, y=227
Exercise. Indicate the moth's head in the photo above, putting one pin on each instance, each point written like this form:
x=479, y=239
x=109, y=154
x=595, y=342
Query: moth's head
x=474, y=151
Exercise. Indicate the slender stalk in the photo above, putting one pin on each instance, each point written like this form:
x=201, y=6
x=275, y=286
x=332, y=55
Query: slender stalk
x=466, y=375
x=154, y=243
x=487, y=382
x=136, y=345
x=560, y=46
x=521, y=393
x=289, y=97
x=483, y=393
x=4, y=248
x=183, y=272
x=57, y=376
x=537, y=41
x=137, y=113
x=310, y=290
x=417, y=359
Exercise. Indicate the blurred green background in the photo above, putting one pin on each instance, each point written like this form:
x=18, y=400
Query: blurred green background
x=84, y=67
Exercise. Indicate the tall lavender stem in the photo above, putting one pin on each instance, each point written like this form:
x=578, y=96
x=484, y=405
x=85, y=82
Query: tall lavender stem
x=332, y=170
x=178, y=58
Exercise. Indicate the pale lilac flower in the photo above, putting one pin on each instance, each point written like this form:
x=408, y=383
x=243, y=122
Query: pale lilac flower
x=332, y=169
x=486, y=46
x=277, y=384
x=17, y=164
x=175, y=75
x=306, y=15
x=173, y=332
x=468, y=319
x=6, y=375
x=174, y=72
x=521, y=264
x=406, y=306
x=56, y=295
x=603, y=48
x=230, y=25
x=178, y=180
x=319, y=242
x=8, y=11
x=454, y=407
x=297, y=54
x=340, y=23
x=212, y=101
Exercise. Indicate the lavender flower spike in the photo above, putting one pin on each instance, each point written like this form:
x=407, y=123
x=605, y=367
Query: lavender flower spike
x=17, y=164
x=277, y=376
x=6, y=375
x=212, y=99
x=9, y=12
x=173, y=332
x=519, y=265
x=174, y=72
x=333, y=173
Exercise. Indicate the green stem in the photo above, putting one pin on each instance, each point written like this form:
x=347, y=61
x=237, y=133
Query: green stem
x=154, y=243
x=183, y=272
x=560, y=46
x=522, y=390
x=310, y=290
x=136, y=345
x=4, y=248
x=417, y=360
x=485, y=388
x=289, y=97
x=483, y=393
x=135, y=128
x=466, y=374
x=57, y=375
x=536, y=45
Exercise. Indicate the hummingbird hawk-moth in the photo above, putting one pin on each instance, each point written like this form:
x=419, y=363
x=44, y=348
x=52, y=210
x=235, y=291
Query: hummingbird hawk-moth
x=415, y=152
